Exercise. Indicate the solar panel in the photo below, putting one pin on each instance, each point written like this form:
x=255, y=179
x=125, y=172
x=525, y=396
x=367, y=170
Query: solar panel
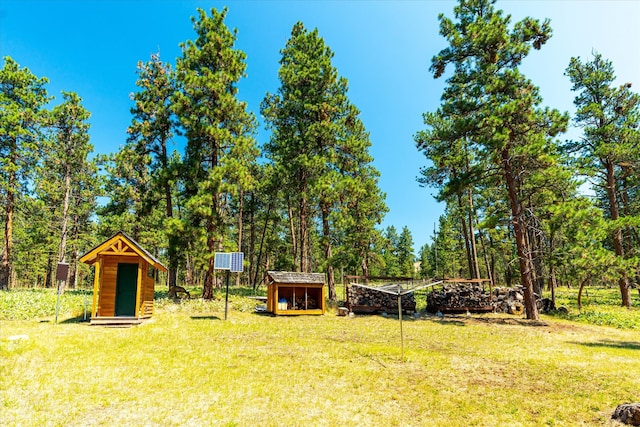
x=236, y=262
x=232, y=261
x=222, y=261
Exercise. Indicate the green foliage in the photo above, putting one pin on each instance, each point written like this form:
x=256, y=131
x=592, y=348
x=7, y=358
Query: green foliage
x=396, y=254
x=609, y=153
x=47, y=184
x=150, y=133
x=600, y=306
x=40, y=304
x=22, y=98
x=510, y=190
x=68, y=181
x=220, y=147
x=23, y=120
x=490, y=120
x=319, y=148
x=426, y=262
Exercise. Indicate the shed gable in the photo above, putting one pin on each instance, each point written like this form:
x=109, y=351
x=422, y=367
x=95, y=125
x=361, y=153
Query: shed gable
x=121, y=245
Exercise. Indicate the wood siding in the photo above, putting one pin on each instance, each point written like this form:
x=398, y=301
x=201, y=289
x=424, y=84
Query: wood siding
x=298, y=296
x=107, y=292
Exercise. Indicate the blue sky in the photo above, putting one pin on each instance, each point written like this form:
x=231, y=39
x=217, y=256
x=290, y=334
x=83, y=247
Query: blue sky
x=383, y=48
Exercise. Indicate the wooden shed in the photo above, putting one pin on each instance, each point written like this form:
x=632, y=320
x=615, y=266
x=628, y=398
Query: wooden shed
x=123, y=287
x=295, y=293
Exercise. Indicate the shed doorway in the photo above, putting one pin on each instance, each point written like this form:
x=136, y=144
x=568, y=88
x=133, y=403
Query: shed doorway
x=126, y=286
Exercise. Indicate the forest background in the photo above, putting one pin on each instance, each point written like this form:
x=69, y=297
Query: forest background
x=197, y=174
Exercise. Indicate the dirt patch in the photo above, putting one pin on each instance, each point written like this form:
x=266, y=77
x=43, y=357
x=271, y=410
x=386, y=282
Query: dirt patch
x=496, y=319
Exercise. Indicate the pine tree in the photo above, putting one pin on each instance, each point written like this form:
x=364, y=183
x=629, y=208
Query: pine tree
x=497, y=106
x=425, y=258
x=150, y=133
x=218, y=127
x=449, y=249
x=406, y=257
x=22, y=100
x=67, y=161
x=610, y=148
x=390, y=254
x=319, y=147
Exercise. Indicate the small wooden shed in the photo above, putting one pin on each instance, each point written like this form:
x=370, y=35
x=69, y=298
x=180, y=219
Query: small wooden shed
x=123, y=287
x=291, y=293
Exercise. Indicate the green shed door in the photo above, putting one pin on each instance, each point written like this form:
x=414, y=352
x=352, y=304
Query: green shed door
x=126, y=284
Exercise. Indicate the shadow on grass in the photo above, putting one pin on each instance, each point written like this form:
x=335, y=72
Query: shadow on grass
x=627, y=345
x=448, y=320
x=77, y=319
x=445, y=321
x=509, y=321
x=205, y=318
x=462, y=320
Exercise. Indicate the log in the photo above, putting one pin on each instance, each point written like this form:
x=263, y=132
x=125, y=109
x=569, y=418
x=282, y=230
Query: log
x=365, y=300
x=472, y=297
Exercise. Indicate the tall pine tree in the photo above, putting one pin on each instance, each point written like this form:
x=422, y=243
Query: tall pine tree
x=320, y=148
x=22, y=98
x=497, y=107
x=609, y=150
x=219, y=130
x=150, y=133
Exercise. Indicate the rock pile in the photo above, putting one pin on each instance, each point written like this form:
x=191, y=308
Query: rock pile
x=365, y=300
x=628, y=413
x=508, y=300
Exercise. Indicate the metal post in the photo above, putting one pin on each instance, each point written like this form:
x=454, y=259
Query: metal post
x=435, y=250
x=400, y=318
x=226, y=298
x=58, y=301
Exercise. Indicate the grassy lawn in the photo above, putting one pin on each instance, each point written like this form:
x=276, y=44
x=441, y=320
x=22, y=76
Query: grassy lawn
x=188, y=367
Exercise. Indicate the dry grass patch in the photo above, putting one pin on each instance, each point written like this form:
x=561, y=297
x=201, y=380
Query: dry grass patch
x=188, y=367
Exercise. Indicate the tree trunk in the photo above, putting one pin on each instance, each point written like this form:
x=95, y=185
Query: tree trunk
x=465, y=235
x=5, y=266
x=582, y=284
x=472, y=239
x=62, y=248
x=365, y=269
x=331, y=284
x=486, y=259
x=553, y=282
x=303, y=237
x=50, y=274
x=538, y=281
x=252, y=243
x=623, y=282
x=293, y=232
x=172, y=256
x=240, y=213
x=520, y=236
x=73, y=262
x=492, y=260
x=209, y=277
x=261, y=248
x=5, y=263
x=188, y=269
